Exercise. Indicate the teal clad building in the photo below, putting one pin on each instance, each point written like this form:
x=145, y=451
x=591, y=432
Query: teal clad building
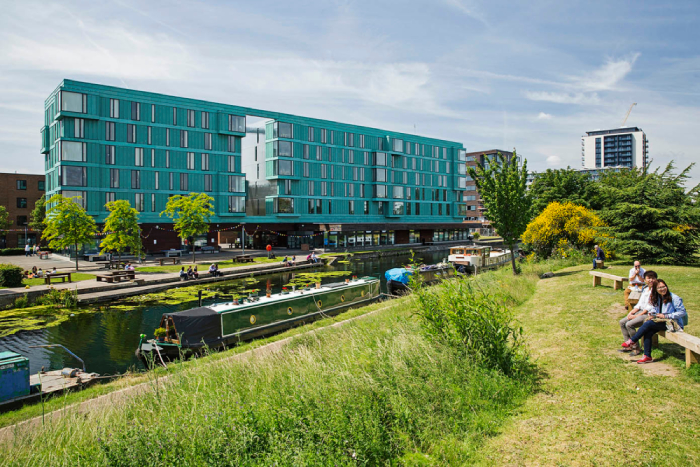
x=290, y=180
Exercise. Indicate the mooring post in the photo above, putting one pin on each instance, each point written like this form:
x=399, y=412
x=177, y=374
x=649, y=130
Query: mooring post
x=199, y=294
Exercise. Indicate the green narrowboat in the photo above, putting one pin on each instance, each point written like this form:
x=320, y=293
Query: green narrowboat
x=225, y=324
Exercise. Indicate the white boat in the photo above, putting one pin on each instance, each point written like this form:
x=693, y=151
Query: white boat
x=473, y=259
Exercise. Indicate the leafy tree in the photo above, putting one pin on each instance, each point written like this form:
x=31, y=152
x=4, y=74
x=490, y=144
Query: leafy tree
x=67, y=224
x=38, y=215
x=651, y=215
x=563, y=227
x=121, y=228
x=507, y=203
x=562, y=185
x=191, y=215
x=5, y=221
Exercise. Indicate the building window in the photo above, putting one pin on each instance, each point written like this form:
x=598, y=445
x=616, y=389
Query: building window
x=362, y=141
x=22, y=203
x=310, y=190
x=306, y=169
x=153, y=113
x=319, y=154
x=324, y=188
x=324, y=171
x=167, y=159
x=285, y=187
x=42, y=185
x=21, y=184
x=167, y=136
x=135, y=179
x=110, y=197
x=138, y=157
x=109, y=131
x=74, y=176
x=207, y=141
x=190, y=161
x=130, y=133
x=282, y=130
x=205, y=120
x=231, y=143
x=398, y=192
x=114, y=108
x=398, y=145
x=351, y=207
x=236, y=204
x=232, y=164
x=380, y=159
x=236, y=184
x=153, y=157
x=282, y=149
x=190, y=118
x=324, y=135
x=174, y=115
x=156, y=179
x=80, y=195
x=150, y=135
x=311, y=134
x=184, y=182
x=380, y=191
x=153, y=202
x=171, y=181
x=236, y=123
x=205, y=162
x=284, y=205
x=380, y=175
x=283, y=167
x=207, y=182
x=135, y=111
x=306, y=151
x=138, y=198
x=79, y=128
x=183, y=139
x=398, y=208
x=114, y=178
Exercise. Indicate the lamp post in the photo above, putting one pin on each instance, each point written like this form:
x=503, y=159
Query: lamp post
x=242, y=238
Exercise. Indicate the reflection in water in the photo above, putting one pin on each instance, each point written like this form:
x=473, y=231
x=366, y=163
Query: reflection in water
x=106, y=340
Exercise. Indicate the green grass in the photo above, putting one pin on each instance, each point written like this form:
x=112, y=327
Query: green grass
x=204, y=267
x=75, y=277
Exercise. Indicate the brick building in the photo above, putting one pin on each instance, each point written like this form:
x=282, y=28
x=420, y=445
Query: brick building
x=18, y=194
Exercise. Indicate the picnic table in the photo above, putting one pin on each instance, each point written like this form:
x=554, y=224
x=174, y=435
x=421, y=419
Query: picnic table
x=93, y=256
x=210, y=249
x=113, y=264
x=115, y=276
x=44, y=254
x=173, y=260
x=243, y=259
x=57, y=275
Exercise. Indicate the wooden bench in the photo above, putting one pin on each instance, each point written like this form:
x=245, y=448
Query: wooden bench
x=244, y=259
x=691, y=344
x=115, y=276
x=602, y=275
x=210, y=249
x=44, y=254
x=173, y=260
x=57, y=275
x=599, y=264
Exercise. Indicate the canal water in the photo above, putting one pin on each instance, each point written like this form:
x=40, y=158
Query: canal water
x=106, y=340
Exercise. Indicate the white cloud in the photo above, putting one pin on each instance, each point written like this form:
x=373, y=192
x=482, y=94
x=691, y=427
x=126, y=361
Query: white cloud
x=470, y=9
x=563, y=97
x=553, y=160
x=607, y=76
x=544, y=116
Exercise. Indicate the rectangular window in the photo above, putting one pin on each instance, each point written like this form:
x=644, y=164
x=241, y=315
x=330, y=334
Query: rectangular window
x=236, y=123
x=153, y=113
x=306, y=151
x=138, y=198
x=22, y=203
x=310, y=189
x=351, y=190
x=207, y=182
x=398, y=208
x=73, y=151
x=232, y=164
x=311, y=134
x=282, y=130
x=114, y=108
x=380, y=159
x=174, y=115
x=282, y=149
x=138, y=157
x=398, y=192
x=319, y=155
x=207, y=141
x=79, y=128
x=236, y=184
x=408, y=148
x=110, y=197
x=153, y=157
x=114, y=178
x=285, y=187
x=190, y=161
x=380, y=191
x=80, y=197
x=205, y=120
x=351, y=139
x=183, y=139
x=109, y=131
x=136, y=111
x=135, y=179
x=74, y=176
x=42, y=185
x=72, y=102
x=324, y=171
x=167, y=136
x=324, y=135
x=190, y=118
x=362, y=191
x=171, y=181
x=284, y=205
x=380, y=175
x=283, y=167
x=324, y=188
x=306, y=169
x=156, y=179
x=184, y=182
x=153, y=202
x=398, y=145
x=130, y=133
x=365, y=207
x=351, y=156
x=205, y=162
x=380, y=208
x=21, y=184
x=236, y=204
x=408, y=209
x=167, y=159
x=351, y=207
x=231, y=143
x=362, y=141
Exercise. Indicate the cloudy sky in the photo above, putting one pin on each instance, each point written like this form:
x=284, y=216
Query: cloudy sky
x=531, y=75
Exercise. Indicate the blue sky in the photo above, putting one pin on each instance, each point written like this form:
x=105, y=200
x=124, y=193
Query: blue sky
x=531, y=75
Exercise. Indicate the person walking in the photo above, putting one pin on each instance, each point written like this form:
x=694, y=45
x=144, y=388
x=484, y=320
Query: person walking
x=26, y=250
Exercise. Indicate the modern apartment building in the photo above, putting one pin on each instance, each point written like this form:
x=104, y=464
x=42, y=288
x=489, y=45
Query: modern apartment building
x=291, y=181
x=18, y=194
x=622, y=147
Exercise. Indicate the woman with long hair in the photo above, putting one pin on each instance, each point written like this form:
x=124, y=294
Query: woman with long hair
x=667, y=307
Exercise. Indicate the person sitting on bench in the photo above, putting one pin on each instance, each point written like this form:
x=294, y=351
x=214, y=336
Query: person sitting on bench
x=636, y=317
x=599, y=255
x=636, y=277
x=195, y=273
x=214, y=270
x=183, y=274
x=668, y=311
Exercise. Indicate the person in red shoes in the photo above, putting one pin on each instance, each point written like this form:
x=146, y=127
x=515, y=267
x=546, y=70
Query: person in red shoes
x=669, y=306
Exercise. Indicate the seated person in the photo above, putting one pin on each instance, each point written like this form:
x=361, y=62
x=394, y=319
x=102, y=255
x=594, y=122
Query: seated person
x=668, y=310
x=195, y=273
x=54, y=271
x=636, y=277
x=636, y=317
x=599, y=256
x=190, y=273
x=308, y=259
x=183, y=274
x=294, y=260
x=34, y=271
x=285, y=261
x=214, y=269
x=39, y=273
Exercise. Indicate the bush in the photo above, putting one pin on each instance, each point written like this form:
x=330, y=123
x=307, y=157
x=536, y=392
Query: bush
x=21, y=302
x=59, y=298
x=10, y=275
x=11, y=251
x=478, y=323
x=476, y=235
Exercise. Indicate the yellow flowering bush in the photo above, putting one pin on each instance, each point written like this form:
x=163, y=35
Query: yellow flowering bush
x=564, y=229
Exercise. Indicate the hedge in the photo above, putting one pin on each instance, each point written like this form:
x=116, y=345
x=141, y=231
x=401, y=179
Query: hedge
x=10, y=275
x=11, y=251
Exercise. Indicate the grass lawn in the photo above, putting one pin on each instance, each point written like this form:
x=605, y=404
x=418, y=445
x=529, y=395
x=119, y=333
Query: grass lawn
x=596, y=408
x=204, y=267
x=75, y=277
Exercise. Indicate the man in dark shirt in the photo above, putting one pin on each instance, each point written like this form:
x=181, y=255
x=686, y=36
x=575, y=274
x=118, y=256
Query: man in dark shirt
x=599, y=255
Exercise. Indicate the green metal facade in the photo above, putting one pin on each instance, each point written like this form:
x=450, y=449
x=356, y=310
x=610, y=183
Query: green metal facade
x=104, y=143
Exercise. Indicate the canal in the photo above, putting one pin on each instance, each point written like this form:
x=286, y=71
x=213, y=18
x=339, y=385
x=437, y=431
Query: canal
x=106, y=340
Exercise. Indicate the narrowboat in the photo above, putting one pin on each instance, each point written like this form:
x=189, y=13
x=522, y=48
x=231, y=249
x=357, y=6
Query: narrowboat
x=472, y=259
x=397, y=278
x=224, y=324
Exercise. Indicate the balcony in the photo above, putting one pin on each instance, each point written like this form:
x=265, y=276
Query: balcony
x=45, y=144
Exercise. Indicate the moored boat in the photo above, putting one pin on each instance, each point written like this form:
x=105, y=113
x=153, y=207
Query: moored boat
x=472, y=259
x=225, y=324
x=397, y=279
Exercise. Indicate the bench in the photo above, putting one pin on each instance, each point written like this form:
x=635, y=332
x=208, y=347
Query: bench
x=44, y=254
x=57, y=275
x=173, y=260
x=243, y=259
x=602, y=275
x=94, y=256
x=115, y=276
x=210, y=249
x=691, y=344
x=599, y=264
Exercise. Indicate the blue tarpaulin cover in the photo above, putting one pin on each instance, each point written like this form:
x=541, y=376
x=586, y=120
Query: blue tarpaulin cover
x=398, y=275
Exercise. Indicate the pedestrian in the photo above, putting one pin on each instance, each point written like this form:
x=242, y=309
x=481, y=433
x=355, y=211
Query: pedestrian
x=26, y=250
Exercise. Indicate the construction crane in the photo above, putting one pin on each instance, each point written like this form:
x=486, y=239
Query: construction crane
x=628, y=114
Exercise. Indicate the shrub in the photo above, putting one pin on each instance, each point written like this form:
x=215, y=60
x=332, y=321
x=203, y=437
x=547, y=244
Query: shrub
x=59, y=298
x=476, y=235
x=21, y=302
x=478, y=323
x=10, y=275
x=11, y=251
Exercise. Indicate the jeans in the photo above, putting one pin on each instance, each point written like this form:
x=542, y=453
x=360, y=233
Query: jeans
x=629, y=327
x=647, y=331
x=594, y=264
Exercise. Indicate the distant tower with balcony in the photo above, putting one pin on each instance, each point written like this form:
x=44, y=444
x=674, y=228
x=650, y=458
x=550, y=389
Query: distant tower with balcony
x=621, y=147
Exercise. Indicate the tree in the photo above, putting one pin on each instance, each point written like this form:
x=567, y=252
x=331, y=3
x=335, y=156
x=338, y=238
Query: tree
x=5, y=221
x=562, y=227
x=651, y=215
x=38, y=215
x=502, y=186
x=191, y=215
x=562, y=185
x=121, y=229
x=67, y=224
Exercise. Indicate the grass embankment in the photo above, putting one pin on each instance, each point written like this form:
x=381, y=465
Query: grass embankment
x=204, y=266
x=374, y=390
x=595, y=407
